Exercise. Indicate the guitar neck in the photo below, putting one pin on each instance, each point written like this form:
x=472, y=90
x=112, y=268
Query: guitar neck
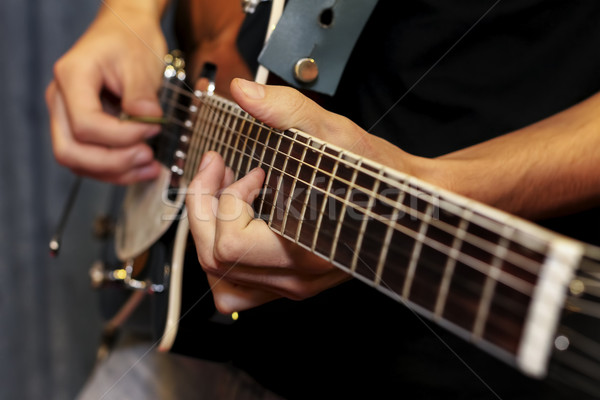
x=490, y=277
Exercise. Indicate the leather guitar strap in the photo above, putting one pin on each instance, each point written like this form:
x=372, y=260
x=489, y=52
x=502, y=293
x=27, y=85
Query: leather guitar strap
x=318, y=35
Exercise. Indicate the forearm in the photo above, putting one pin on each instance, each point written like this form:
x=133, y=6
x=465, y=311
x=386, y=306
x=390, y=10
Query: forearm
x=546, y=169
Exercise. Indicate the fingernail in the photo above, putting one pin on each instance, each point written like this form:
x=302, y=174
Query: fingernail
x=142, y=158
x=148, y=172
x=206, y=159
x=152, y=131
x=251, y=89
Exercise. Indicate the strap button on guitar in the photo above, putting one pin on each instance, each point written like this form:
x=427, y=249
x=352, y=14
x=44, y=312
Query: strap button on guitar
x=306, y=70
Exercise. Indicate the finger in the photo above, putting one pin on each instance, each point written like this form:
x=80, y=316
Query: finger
x=118, y=165
x=284, y=108
x=137, y=174
x=292, y=284
x=89, y=123
x=202, y=207
x=234, y=205
x=140, y=91
x=238, y=233
x=228, y=178
x=230, y=297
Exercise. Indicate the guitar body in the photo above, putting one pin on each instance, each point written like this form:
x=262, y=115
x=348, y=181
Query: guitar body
x=147, y=214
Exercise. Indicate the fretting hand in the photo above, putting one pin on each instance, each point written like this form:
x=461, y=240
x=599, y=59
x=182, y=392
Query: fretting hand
x=247, y=264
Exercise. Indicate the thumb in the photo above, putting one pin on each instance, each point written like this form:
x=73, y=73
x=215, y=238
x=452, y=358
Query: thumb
x=283, y=108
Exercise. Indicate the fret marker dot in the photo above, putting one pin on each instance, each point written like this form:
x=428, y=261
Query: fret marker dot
x=561, y=342
x=576, y=287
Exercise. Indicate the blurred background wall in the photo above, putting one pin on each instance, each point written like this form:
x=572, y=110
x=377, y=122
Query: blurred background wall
x=49, y=315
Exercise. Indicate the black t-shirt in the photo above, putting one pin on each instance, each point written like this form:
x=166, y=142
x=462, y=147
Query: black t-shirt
x=431, y=76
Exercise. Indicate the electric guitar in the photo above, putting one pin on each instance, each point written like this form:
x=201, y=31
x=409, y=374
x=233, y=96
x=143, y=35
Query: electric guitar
x=500, y=282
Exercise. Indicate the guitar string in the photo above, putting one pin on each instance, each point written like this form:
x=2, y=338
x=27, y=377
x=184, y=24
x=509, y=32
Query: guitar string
x=237, y=150
x=427, y=265
x=499, y=300
x=212, y=139
x=517, y=258
x=325, y=154
x=255, y=159
x=396, y=226
x=336, y=159
x=339, y=159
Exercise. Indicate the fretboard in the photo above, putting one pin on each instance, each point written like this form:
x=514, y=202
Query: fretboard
x=471, y=268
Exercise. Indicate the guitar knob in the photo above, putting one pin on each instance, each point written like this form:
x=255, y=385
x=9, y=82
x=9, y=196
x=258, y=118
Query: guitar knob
x=97, y=274
x=100, y=276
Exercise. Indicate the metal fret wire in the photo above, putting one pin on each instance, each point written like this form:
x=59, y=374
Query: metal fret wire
x=509, y=280
x=293, y=188
x=342, y=216
x=339, y=158
x=280, y=181
x=515, y=258
x=482, y=243
x=520, y=259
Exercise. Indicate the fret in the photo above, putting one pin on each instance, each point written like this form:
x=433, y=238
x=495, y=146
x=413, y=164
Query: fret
x=265, y=145
x=490, y=282
x=301, y=142
x=363, y=228
x=215, y=125
x=253, y=162
x=471, y=272
x=387, y=239
x=237, y=168
x=267, y=192
x=326, y=196
x=507, y=315
x=463, y=296
x=269, y=173
x=219, y=128
x=238, y=137
x=204, y=121
x=529, y=260
x=195, y=152
x=311, y=185
x=318, y=196
x=232, y=131
x=434, y=257
x=242, y=120
x=416, y=250
x=360, y=239
x=340, y=221
x=226, y=117
x=451, y=263
x=368, y=253
x=276, y=223
x=212, y=126
x=335, y=203
x=249, y=146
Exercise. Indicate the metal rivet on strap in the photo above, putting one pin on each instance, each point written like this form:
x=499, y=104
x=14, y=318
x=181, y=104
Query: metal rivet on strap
x=306, y=70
